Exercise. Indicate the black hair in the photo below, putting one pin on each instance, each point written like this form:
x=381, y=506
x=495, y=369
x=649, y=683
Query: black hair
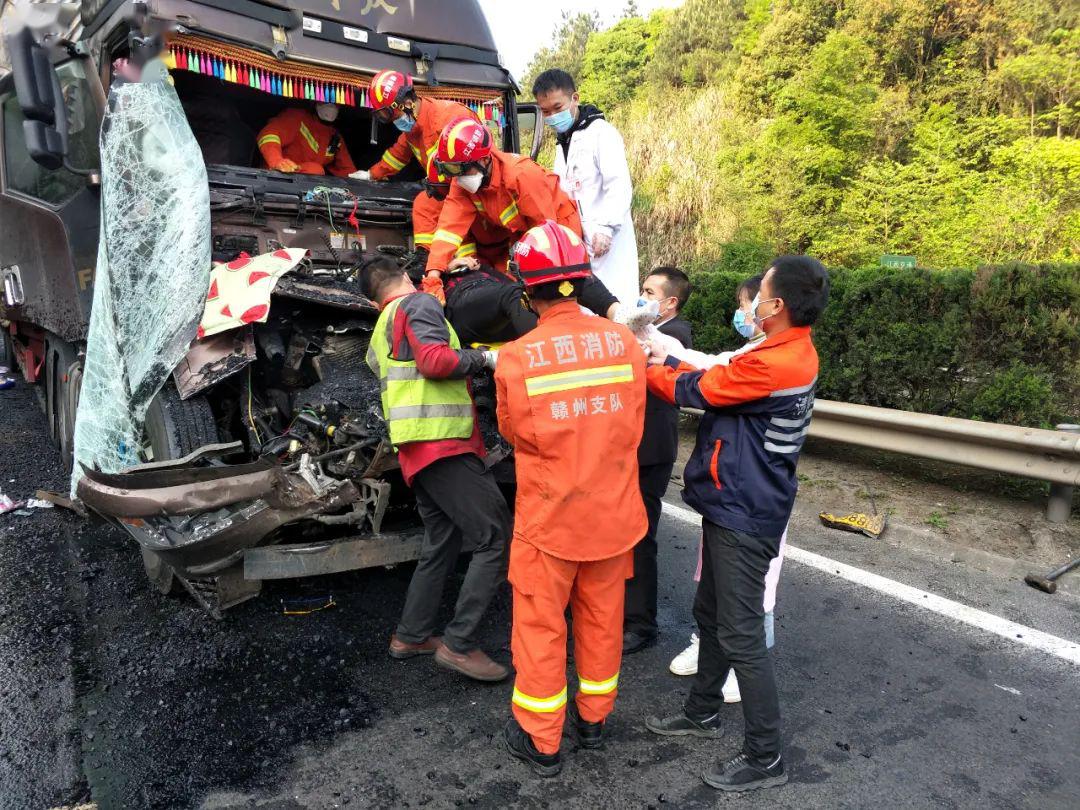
x=377, y=273
x=551, y=292
x=676, y=283
x=803, y=283
x=750, y=287
x=553, y=79
x=410, y=95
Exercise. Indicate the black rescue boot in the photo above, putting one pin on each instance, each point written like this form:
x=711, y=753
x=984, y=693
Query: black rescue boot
x=586, y=734
x=520, y=745
x=680, y=725
x=745, y=772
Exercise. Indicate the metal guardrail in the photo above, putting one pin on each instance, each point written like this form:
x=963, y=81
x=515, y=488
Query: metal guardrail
x=1044, y=455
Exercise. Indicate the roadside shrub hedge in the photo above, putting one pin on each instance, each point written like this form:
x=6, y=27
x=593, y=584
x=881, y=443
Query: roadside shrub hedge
x=999, y=344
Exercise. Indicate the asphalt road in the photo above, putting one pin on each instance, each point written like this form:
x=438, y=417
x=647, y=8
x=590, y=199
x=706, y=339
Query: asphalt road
x=113, y=694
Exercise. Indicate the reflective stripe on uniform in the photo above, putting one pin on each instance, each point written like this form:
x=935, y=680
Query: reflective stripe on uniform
x=786, y=437
x=265, y=139
x=429, y=411
x=802, y=389
x=423, y=238
x=311, y=141
x=468, y=249
x=478, y=205
x=582, y=378
x=392, y=161
x=509, y=212
x=782, y=448
x=599, y=687
x=447, y=236
x=537, y=704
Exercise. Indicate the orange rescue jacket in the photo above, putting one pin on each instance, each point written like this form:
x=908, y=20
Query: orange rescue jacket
x=298, y=135
x=422, y=142
x=520, y=194
x=571, y=400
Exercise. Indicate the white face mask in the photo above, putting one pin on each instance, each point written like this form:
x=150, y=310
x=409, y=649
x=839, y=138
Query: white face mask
x=327, y=113
x=471, y=182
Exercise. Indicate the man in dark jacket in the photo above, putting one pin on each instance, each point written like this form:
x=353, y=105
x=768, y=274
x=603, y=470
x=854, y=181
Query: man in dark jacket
x=741, y=479
x=670, y=288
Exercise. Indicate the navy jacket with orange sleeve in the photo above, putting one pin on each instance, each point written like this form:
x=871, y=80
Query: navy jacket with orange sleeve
x=741, y=474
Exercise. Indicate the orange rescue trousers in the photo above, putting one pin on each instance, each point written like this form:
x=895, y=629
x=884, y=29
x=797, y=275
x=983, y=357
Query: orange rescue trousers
x=543, y=585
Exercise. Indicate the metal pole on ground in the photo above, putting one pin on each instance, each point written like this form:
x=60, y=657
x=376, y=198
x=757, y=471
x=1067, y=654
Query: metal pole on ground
x=1059, y=506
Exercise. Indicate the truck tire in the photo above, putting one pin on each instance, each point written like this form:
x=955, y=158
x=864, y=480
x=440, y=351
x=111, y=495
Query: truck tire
x=174, y=428
x=59, y=357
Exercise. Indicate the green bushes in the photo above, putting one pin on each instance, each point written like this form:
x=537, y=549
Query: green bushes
x=1000, y=344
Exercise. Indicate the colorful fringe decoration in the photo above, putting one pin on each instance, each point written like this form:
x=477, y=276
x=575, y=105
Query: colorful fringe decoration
x=293, y=80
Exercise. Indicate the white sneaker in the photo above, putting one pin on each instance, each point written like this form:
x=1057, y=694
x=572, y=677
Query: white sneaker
x=731, y=688
x=685, y=663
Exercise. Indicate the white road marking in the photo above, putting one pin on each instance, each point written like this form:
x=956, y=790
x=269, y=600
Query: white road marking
x=1018, y=633
x=1008, y=689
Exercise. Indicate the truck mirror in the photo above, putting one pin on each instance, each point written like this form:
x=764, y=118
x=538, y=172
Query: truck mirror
x=38, y=89
x=530, y=130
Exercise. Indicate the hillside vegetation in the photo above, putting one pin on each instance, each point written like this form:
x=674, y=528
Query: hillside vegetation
x=944, y=129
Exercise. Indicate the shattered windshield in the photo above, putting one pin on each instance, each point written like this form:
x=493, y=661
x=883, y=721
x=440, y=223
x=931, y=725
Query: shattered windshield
x=153, y=266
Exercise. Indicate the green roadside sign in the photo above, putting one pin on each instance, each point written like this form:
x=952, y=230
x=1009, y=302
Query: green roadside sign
x=898, y=262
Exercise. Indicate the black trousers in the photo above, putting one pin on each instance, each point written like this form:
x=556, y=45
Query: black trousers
x=730, y=613
x=640, y=611
x=487, y=308
x=463, y=510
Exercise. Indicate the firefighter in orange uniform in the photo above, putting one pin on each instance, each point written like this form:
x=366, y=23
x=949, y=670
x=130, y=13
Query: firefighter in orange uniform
x=298, y=141
x=494, y=198
x=571, y=400
x=420, y=122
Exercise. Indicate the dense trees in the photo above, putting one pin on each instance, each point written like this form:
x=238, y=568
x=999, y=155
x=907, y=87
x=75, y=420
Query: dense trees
x=946, y=129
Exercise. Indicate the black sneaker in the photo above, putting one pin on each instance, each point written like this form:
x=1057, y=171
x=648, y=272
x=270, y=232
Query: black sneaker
x=520, y=745
x=586, y=734
x=680, y=725
x=745, y=772
x=633, y=641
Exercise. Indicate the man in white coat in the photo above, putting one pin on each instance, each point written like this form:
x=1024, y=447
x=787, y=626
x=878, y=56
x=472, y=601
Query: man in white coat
x=590, y=160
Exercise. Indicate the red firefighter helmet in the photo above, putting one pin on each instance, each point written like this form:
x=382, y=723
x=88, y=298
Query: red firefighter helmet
x=550, y=252
x=388, y=89
x=463, y=143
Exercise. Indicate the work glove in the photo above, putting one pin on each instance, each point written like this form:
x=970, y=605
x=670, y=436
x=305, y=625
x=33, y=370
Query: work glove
x=491, y=358
x=362, y=174
x=286, y=165
x=601, y=244
x=432, y=284
x=637, y=318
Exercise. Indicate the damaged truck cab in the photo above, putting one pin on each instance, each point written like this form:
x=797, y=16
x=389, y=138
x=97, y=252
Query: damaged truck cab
x=265, y=454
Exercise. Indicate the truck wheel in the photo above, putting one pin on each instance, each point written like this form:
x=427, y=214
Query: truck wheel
x=59, y=357
x=174, y=428
x=7, y=352
x=70, y=391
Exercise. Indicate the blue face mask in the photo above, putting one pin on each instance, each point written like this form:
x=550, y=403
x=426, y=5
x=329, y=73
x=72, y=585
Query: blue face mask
x=560, y=121
x=405, y=123
x=742, y=325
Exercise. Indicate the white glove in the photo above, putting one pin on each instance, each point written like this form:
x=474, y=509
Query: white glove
x=363, y=174
x=491, y=358
x=635, y=318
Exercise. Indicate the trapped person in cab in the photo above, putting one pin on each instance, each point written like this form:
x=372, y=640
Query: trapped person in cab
x=299, y=140
x=590, y=160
